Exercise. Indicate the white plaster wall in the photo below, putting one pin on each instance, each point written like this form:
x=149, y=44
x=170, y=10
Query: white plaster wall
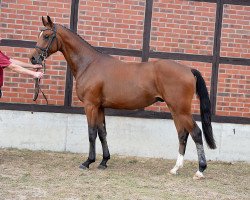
x=126, y=136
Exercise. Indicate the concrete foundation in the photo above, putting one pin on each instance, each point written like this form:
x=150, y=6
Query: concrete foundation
x=126, y=136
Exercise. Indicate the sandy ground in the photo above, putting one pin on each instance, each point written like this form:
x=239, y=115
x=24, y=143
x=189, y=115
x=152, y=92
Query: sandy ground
x=49, y=175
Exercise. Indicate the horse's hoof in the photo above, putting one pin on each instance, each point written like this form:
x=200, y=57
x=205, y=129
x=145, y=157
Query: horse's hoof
x=102, y=167
x=173, y=172
x=198, y=176
x=83, y=167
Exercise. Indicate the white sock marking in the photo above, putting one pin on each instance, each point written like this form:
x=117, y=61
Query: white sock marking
x=178, y=165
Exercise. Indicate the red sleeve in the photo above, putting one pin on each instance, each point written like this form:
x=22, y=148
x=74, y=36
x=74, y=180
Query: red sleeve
x=4, y=60
x=1, y=77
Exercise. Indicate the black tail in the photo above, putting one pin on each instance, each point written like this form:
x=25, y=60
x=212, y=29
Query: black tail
x=205, y=109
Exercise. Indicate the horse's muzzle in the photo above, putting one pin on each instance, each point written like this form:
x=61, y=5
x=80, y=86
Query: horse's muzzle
x=36, y=60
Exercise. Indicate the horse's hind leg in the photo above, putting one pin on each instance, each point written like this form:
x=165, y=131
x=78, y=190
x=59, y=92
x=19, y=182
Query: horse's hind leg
x=102, y=133
x=185, y=124
x=183, y=137
x=197, y=137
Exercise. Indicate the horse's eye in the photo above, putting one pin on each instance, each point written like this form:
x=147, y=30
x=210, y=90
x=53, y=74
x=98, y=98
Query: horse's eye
x=46, y=37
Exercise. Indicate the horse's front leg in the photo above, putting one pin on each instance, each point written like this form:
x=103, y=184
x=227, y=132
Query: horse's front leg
x=102, y=133
x=92, y=116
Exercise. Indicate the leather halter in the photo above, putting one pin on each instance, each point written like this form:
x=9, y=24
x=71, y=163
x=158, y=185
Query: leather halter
x=43, y=55
x=44, y=51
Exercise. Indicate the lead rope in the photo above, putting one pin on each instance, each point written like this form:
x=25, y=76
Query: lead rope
x=37, y=86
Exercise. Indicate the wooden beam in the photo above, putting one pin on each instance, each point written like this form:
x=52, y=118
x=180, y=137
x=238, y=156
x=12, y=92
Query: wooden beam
x=147, y=30
x=216, y=55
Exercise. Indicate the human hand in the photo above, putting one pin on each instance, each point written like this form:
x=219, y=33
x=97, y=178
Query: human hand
x=37, y=66
x=38, y=75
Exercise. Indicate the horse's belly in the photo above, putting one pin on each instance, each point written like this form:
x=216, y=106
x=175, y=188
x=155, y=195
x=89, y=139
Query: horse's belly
x=129, y=102
x=126, y=105
x=130, y=92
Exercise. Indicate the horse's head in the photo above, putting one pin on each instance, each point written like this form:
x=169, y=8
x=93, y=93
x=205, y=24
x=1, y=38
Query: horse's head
x=47, y=42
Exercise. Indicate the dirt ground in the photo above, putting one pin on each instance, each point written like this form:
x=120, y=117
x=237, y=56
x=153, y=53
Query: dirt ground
x=49, y=175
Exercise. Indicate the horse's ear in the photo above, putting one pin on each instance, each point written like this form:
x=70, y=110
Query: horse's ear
x=44, y=21
x=50, y=23
x=47, y=22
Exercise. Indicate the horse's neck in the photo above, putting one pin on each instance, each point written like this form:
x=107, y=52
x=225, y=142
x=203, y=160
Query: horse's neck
x=77, y=53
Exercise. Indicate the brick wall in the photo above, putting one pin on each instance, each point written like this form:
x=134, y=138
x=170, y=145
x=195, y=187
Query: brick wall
x=21, y=19
x=112, y=23
x=234, y=91
x=236, y=31
x=233, y=97
x=183, y=26
x=178, y=26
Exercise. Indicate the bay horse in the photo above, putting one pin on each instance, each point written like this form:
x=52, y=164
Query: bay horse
x=103, y=81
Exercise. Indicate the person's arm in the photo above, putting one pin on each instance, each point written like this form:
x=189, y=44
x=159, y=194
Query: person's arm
x=19, y=69
x=25, y=65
